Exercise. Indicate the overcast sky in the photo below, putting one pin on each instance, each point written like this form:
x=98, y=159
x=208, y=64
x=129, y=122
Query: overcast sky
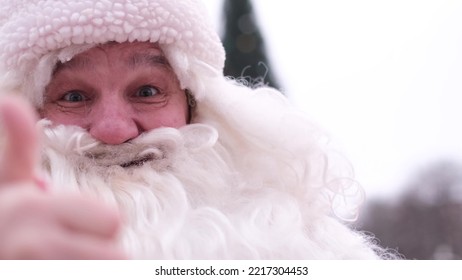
x=383, y=77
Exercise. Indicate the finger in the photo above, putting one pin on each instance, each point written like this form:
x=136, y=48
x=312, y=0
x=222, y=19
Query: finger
x=50, y=226
x=55, y=243
x=87, y=216
x=85, y=247
x=20, y=151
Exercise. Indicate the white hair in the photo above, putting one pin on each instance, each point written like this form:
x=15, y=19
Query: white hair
x=249, y=178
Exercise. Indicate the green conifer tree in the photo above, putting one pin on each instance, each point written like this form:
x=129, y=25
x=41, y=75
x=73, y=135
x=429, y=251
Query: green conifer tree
x=245, y=49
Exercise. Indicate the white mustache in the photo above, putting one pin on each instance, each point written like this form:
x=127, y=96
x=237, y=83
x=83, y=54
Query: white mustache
x=134, y=153
x=125, y=155
x=157, y=147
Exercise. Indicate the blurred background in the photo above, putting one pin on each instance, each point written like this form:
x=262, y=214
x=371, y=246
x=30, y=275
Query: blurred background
x=384, y=78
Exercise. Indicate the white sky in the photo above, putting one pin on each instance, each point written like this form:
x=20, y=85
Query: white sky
x=383, y=77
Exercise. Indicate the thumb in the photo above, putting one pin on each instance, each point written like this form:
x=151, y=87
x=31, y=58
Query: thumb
x=20, y=150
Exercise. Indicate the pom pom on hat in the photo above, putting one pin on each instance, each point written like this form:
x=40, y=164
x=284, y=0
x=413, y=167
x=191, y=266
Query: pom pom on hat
x=32, y=29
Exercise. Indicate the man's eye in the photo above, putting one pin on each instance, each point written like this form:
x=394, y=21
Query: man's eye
x=147, y=91
x=74, y=96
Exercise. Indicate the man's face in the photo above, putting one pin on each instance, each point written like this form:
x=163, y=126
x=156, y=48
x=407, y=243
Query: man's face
x=116, y=92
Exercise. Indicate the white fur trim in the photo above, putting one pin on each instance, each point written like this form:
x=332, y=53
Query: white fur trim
x=31, y=29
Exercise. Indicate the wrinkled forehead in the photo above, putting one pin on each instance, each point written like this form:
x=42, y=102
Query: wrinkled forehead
x=130, y=54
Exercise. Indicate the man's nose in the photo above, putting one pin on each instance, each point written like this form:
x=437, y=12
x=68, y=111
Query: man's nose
x=113, y=122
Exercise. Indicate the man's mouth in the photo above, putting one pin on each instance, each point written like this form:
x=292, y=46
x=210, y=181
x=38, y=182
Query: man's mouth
x=127, y=159
x=138, y=162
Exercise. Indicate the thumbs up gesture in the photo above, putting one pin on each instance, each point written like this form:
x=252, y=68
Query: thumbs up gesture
x=20, y=151
x=34, y=223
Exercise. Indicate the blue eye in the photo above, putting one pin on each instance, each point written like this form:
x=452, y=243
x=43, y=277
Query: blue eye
x=147, y=91
x=74, y=96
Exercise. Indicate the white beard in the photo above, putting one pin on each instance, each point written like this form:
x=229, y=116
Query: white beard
x=182, y=197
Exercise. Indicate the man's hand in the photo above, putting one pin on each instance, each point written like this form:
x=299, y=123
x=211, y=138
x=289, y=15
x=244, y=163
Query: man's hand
x=36, y=224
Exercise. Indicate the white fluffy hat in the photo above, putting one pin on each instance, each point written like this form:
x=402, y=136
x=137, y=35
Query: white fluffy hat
x=36, y=34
